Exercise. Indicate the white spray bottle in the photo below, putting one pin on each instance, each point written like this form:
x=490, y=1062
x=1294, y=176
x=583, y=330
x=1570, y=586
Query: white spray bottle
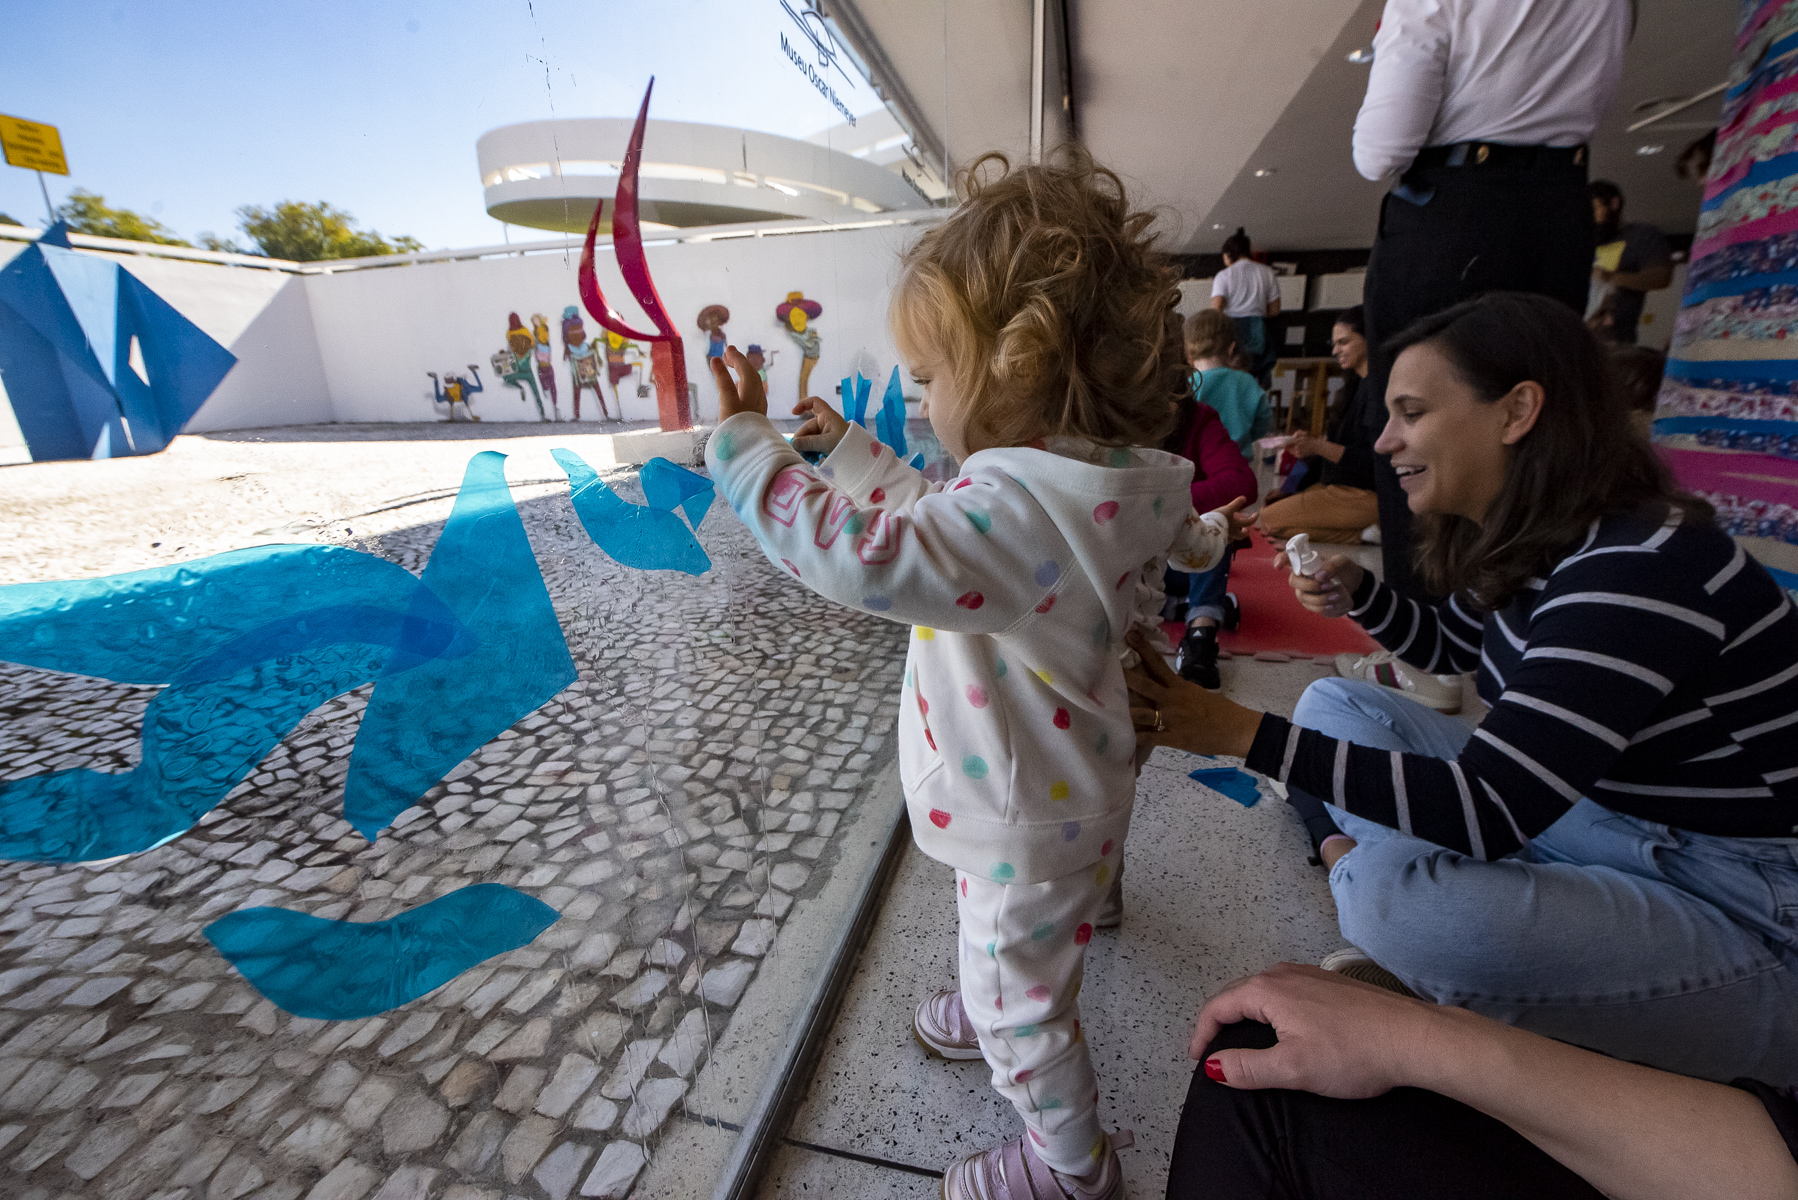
x=1300, y=556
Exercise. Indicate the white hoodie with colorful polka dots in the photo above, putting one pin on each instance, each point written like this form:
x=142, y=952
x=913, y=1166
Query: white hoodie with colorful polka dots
x=1019, y=578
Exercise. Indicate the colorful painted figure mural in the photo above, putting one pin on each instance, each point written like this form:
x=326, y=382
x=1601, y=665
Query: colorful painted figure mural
x=622, y=357
x=546, y=371
x=759, y=360
x=712, y=319
x=519, y=344
x=455, y=389
x=796, y=315
x=583, y=360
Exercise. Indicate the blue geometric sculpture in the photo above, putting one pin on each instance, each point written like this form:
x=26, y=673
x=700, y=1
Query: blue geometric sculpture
x=97, y=365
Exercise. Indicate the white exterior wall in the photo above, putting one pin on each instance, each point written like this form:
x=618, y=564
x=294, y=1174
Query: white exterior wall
x=380, y=331
x=355, y=345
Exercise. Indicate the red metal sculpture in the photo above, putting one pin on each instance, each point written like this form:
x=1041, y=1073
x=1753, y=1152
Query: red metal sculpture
x=667, y=356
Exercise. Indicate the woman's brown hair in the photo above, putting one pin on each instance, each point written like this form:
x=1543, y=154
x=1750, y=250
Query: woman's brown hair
x=1044, y=297
x=1582, y=459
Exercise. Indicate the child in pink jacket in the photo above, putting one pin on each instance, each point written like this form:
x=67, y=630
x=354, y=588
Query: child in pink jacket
x=1041, y=326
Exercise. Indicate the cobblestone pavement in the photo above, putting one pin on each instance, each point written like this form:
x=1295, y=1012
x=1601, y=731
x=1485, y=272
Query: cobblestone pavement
x=673, y=805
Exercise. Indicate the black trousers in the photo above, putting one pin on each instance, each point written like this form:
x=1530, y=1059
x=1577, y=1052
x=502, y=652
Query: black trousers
x=1446, y=235
x=1405, y=1145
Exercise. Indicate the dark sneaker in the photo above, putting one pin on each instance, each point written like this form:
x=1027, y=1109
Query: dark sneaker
x=1197, y=658
x=1232, y=611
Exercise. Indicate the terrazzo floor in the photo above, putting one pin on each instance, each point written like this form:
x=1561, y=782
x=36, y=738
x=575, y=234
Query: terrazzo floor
x=681, y=804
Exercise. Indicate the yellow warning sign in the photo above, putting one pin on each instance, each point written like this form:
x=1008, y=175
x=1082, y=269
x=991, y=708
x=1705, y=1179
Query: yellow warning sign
x=32, y=145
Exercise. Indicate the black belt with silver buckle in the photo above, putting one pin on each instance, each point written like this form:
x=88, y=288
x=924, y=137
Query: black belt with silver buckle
x=1493, y=154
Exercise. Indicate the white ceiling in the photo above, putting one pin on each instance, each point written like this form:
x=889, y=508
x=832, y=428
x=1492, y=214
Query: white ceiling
x=1187, y=98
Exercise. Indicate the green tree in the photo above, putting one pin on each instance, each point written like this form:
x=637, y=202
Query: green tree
x=302, y=232
x=7, y=219
x=89, y=213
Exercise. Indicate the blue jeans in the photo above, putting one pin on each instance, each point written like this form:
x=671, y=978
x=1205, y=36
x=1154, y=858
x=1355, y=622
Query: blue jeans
x=1642, y=941
x=1204, y=590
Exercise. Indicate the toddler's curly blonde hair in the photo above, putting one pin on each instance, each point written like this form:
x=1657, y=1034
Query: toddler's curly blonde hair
x=1043, y=296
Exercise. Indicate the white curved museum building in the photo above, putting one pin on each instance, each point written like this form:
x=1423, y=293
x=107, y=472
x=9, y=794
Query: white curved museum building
x=549, y=175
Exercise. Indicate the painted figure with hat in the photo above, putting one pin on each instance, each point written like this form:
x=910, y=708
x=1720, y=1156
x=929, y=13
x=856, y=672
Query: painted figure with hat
x=583, y=360
x=513, y=364
x=546, y=371
x=796, y=315
x=712, y=319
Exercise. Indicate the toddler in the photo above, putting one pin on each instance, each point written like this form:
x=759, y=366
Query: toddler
x=1041, y=326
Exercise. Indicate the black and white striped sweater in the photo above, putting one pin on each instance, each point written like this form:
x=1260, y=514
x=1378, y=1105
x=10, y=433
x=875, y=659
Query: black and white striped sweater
x=1654, y=670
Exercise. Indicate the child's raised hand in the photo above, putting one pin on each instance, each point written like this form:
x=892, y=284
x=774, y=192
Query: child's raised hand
x=733, y=397
x=1240, y=522
x=823, y=429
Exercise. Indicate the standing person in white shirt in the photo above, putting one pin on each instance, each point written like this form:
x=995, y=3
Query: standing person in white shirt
x=1248, y=293
x=1479, y=113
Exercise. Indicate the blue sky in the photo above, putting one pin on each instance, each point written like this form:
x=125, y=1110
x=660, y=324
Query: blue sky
x=186, y=111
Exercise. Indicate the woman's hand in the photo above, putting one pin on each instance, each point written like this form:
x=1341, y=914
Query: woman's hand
x=1304, y=445
x=823, y=429
x=1338, y=1037
x=735, y=397
x=1168, y=711
x=1325, y=591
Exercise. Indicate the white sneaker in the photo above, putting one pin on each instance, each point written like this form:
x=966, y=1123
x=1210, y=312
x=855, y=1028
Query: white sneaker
x=1355, y=963
x=1440, y=692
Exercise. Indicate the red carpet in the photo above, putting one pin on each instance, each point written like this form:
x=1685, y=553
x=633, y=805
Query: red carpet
x=1273, y=621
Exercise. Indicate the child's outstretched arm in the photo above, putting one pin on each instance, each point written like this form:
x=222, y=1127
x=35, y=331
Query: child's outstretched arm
x=1202, y=540
x=975, y=558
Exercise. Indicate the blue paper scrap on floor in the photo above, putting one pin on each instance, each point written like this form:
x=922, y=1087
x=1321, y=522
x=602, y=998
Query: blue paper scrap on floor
x=249, y=641
x=645, y=536
x=340, y=970
x=1238, y=785
x=668, y=487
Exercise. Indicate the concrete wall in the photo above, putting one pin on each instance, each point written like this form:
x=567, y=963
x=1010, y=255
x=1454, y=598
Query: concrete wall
x=355, y=345
x=380, y=331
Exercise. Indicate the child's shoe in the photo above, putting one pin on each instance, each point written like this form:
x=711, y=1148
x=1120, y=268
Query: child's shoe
x=1197, y=660
x=1012, y=1171
x=942, y=1027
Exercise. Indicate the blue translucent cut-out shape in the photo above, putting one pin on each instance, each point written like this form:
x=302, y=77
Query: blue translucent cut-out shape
x=916, y=461
x=855, y=399
x=248, y=642
x=1233, y=783
x=341, y=970
x=889, y=426
x=669, y=487
x=422, y=721
x=68, y=322
x=649, y=539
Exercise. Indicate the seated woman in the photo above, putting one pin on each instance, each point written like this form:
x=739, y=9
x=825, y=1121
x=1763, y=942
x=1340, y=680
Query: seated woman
x=1337, y=500
x=1607, y=859
x=1219, y=475
x=1367, y=1093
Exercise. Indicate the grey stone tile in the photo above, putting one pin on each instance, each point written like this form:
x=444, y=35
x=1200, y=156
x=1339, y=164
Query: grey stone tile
x=596, y=1113
x=574, y=1075
x=101, y=1147
x=655, y=1098
x=560, y=1170
x=414, y=1122
x=131, y=1090
x=615, y=1172
x=348, y=1180
x=318, y=1141
x=409, y=1182
x=476, y=1145
x=525, y=1146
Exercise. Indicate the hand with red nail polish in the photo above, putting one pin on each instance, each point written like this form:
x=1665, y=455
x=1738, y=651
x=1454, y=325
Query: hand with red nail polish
x=1338, y=1037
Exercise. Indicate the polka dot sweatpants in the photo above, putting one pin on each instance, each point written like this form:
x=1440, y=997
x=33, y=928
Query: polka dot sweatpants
x=1023, y=950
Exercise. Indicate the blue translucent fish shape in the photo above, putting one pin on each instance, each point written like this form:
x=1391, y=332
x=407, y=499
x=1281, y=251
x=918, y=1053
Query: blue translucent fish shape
x=423, y=721
x=889, y=426
x=248, y=642
x=649, y=539
x=669, y=487
x=1233, y=783
x=341, y=970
